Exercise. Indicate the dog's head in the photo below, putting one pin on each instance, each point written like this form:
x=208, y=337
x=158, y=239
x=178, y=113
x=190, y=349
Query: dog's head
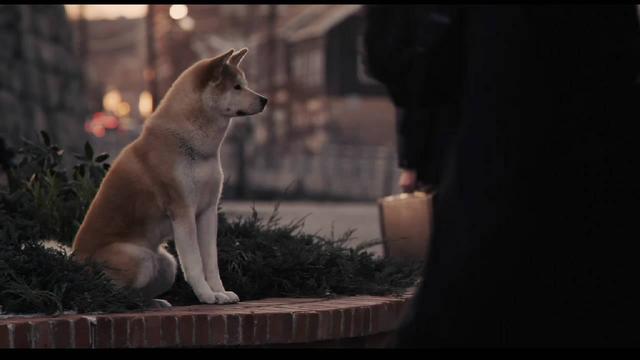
x=224, y=87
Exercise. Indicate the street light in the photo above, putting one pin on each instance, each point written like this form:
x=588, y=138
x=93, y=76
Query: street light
x=145, y=104
x=187, y=23
x=111, y=100
x=178, y=12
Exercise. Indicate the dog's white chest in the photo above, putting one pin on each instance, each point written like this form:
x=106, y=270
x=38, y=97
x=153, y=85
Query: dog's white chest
x=205, y=183
x=207, y=173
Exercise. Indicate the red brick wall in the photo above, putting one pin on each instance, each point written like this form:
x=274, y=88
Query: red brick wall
x=352, y=321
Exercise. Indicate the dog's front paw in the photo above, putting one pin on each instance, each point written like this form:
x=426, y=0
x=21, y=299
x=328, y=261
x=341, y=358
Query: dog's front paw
x=218, y=297
x=226, y=297
x=232, y=296
x=207, y=297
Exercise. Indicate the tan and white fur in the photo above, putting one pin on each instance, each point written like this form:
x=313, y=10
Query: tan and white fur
x=167, y=184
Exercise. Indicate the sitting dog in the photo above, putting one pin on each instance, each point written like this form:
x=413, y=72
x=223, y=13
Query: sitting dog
x=166, y=185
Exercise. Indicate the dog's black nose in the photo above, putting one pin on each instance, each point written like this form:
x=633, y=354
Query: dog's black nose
x=263, y=101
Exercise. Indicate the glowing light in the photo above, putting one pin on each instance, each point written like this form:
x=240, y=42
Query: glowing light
x=145, y=104
x=110, y=122
x=99, y=124
x=95, y=126
x=178, y=12
x=187, y=23
x=123, y=109
x=111, y=100
x=87, y=125
x=99, y=131
x=104, y=12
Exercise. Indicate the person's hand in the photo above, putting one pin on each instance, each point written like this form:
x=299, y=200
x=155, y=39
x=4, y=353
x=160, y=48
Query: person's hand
x=408, y=180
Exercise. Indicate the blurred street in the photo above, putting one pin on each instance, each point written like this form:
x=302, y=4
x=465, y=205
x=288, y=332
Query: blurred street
x=96, y=73
x=321, y=218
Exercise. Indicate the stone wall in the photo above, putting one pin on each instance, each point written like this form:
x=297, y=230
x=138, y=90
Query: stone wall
x=41, y=81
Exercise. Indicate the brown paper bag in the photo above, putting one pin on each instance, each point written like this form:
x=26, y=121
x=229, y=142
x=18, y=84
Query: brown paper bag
x=405, y=224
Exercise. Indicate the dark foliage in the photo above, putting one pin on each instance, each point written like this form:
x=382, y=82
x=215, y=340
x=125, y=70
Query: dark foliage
x=258, y=257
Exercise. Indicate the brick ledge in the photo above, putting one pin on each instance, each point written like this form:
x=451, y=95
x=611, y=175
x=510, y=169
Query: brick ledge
x=251, y=323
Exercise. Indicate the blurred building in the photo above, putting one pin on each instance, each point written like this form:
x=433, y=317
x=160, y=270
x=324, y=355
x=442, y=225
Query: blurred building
x=116, y=58
x=305, y=58
x=332, y=100
x=170, y=50
x=204, y=31
x=325, y=115
x=320, y=93
x=114, y=55
x=329, y=131
x=41, y=79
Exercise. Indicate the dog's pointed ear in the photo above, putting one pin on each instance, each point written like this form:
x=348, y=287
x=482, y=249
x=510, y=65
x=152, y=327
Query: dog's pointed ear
x=217, y=63
x=237, y=57
x=225, y=57
x=211, y=69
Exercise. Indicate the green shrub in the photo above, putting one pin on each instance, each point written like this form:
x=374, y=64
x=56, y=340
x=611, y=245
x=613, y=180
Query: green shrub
x=258, y=257
x=42, y=191
x=261, y=258
x=34, y=279
x=44, y=202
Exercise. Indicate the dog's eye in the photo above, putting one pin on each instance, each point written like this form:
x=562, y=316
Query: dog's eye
x=237, y=87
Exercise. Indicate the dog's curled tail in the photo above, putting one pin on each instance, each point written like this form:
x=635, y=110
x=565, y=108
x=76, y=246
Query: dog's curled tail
x=55, y=245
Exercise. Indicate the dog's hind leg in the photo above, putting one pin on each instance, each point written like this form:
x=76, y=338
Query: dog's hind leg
x=164, y=275
x=151, y=272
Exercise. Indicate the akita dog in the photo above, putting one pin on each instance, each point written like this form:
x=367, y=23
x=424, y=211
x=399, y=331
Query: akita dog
x=166, y=185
